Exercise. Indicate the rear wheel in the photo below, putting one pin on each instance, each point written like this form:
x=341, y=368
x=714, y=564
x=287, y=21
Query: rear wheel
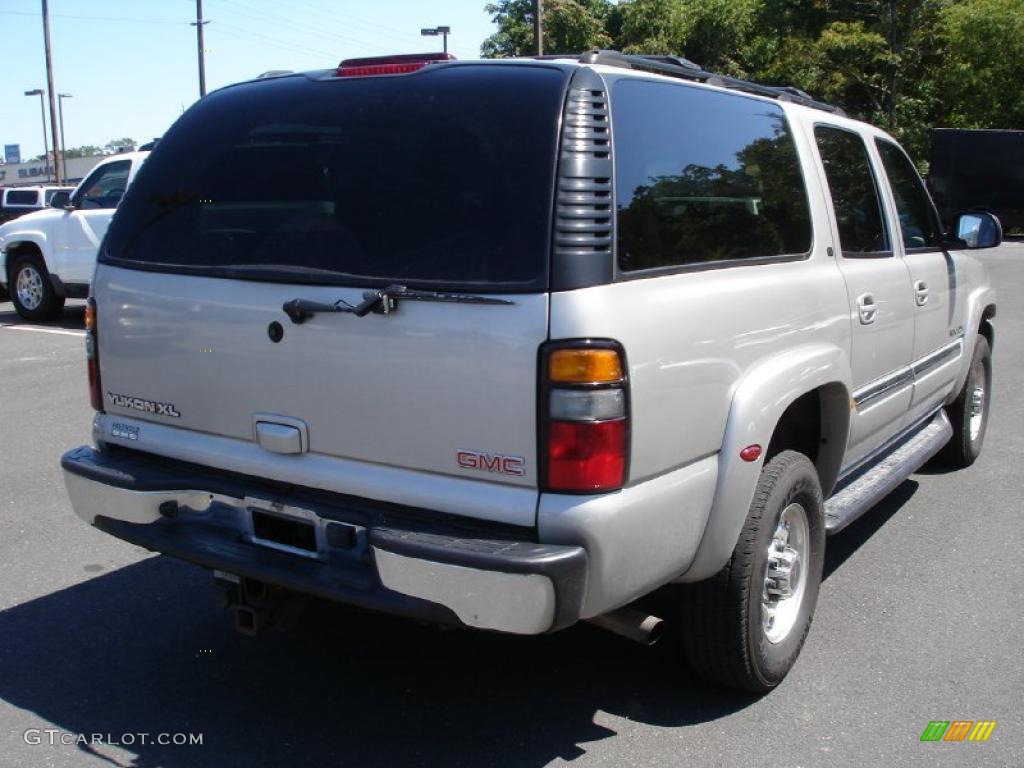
x=31, y=291
x=744, y=627
x=969, y=412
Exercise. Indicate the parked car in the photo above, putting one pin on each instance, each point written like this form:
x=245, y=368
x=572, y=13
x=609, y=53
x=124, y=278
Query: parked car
x=49, y=255
x=17, y=201
x=515, y=344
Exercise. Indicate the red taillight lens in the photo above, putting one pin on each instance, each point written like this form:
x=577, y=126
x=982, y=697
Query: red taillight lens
x=584, y=415
x=586, y=456
x=92, y=356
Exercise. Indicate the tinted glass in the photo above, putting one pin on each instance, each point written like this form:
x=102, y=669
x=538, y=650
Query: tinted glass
x=438, y=178
x=919, y=222
x=854, y=193
x=105, y=187
x=23, y=197
x=703, y=176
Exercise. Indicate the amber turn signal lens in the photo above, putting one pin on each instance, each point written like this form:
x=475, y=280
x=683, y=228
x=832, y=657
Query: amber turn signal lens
x=584, y=366
x=90, y=315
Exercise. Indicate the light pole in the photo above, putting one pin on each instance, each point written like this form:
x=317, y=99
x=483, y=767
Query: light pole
x=42, y=111
x=63, y=144
x=435, y=31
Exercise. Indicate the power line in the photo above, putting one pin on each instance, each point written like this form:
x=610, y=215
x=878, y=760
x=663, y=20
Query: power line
x=279, y=22
x=240, y=33
x=79, y=17
x=372, y=27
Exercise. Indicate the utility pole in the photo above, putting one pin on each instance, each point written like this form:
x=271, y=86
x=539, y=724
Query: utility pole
x=538, y=31
x=57, y=150
x=198, y=24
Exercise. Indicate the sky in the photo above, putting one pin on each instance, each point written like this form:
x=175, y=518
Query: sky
x=131, y=65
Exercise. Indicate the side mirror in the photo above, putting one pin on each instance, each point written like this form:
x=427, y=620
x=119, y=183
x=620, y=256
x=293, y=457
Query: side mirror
x=60, y=200
x=979, y=229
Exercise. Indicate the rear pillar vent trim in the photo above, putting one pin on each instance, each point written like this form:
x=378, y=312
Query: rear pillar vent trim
x=584, y=205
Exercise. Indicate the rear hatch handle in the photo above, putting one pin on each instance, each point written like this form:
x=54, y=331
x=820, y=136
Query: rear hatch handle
x=382, y=302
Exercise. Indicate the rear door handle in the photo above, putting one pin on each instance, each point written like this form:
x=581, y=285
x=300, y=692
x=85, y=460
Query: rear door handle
x=921, y=293
x=867, y=308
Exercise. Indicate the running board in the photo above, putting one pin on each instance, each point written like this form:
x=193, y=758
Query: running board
x=868, y=486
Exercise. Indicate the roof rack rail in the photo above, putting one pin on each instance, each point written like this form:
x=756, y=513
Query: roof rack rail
x=677, y=66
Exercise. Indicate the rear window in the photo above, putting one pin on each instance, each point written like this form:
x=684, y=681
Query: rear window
x=23, y=197
x=441, y=178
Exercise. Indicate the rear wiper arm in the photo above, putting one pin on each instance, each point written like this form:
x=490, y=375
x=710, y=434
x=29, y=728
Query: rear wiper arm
x=382, y=302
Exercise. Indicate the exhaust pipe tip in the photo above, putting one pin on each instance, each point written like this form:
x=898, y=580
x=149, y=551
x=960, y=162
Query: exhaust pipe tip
x=634, y=625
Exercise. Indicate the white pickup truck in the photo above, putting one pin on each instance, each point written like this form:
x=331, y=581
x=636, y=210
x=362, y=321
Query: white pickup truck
x=49, y=256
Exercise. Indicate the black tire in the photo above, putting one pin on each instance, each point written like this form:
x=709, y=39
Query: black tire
x=724, y=635
x=42, y=303
x=965, y=446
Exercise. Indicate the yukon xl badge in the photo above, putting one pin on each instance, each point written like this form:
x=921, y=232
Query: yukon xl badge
x=146, y=406
x=505, y=465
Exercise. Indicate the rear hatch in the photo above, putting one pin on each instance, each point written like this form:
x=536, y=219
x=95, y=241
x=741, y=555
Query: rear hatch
x=323, y=190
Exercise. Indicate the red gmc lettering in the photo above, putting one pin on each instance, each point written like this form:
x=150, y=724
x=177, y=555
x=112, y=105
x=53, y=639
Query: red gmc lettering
x=506, y=465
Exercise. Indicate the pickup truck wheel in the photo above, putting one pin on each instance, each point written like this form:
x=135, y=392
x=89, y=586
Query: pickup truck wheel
x=31, y=291
x=969, y=412
x=747, y=624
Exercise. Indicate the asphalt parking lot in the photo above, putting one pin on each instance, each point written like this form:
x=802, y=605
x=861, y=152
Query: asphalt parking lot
x=919, y=619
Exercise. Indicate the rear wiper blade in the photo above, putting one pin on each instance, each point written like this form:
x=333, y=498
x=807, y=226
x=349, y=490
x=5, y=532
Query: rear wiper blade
x=382, y=302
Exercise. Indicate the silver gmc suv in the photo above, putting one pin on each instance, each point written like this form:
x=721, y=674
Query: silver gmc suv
x=514, y=344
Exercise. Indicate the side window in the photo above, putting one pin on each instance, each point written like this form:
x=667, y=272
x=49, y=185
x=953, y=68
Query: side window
x=919, y=221
x=104, y=188
x=854, y=192
x=23, y=197
x=703, y=176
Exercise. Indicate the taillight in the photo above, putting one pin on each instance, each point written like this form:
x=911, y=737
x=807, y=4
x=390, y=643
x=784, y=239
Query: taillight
x=390, y=65
x=584, y=417
x=92, y=355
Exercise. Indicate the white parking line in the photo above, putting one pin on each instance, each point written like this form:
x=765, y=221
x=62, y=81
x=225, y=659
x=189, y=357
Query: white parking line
x=37, y=329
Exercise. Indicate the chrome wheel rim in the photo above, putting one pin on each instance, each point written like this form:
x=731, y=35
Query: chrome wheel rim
x=784, y=575
x=29, y=287
x=977, y=404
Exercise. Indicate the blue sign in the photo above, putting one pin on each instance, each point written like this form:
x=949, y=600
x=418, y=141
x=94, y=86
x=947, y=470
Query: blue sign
x=12, y=152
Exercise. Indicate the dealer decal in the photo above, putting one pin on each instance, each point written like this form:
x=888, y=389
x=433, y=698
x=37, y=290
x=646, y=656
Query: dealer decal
x=146, y=406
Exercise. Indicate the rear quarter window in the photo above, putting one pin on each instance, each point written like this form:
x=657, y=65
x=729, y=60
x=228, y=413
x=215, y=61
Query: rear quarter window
x=704, y=177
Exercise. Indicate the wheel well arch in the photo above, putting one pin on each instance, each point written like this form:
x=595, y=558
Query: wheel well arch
x=986, y=327
x=816, y=424
x=16, y=250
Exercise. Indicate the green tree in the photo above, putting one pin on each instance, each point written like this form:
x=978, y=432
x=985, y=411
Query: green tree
x=119, y=145
x=653, y=26
x=515, y=29
x=570, y=26
x=982, y=69
x=86, y=150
